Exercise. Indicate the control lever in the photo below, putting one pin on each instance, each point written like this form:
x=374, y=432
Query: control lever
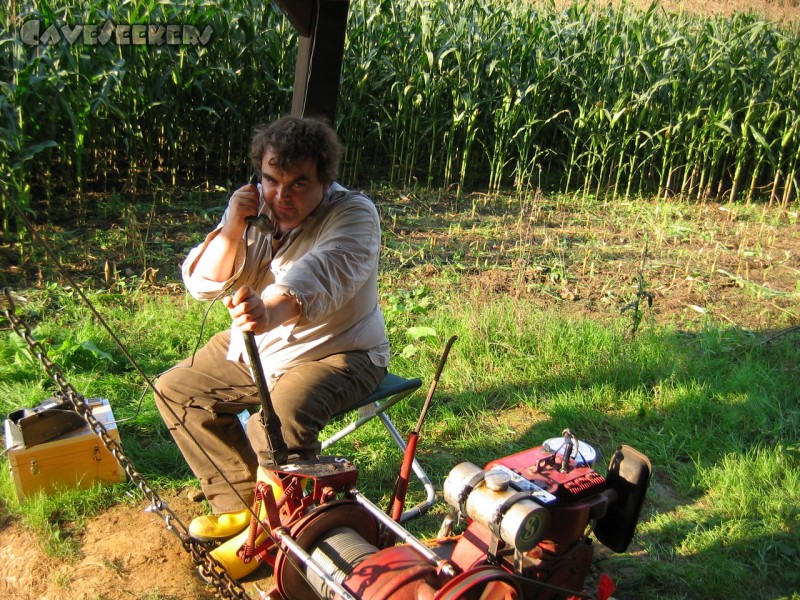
x=276, y=445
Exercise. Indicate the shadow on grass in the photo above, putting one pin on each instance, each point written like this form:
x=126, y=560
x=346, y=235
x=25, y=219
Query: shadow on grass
x=717, y=412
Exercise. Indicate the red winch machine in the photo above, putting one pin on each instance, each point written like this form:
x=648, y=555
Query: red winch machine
x=524, y=525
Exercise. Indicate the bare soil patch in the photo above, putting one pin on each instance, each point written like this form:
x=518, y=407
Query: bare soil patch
x=125, y=553
x=782, y=11
x=682, y=264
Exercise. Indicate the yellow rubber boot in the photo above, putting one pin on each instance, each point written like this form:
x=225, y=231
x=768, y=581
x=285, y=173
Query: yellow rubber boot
x=215, y=528
x=227, y=554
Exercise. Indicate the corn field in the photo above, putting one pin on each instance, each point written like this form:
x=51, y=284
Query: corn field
x=601, y=101
x=78, y=116
x=487, y=94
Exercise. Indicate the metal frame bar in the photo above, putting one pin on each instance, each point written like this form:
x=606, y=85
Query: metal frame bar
x=378, y=409
x=444, y=566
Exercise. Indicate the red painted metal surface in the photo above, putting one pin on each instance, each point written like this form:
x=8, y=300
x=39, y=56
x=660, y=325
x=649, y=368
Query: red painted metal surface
x=485, y=582
x=328, y=526
x=395, y=573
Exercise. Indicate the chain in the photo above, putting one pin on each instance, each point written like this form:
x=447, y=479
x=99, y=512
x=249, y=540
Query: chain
x=209, y=568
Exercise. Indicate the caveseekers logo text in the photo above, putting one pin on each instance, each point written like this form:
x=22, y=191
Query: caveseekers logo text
x=34, y=33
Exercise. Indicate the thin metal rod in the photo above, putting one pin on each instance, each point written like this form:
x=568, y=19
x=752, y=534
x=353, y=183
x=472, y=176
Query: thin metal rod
x=444, y=567
x=297, y=551
x=435, y=382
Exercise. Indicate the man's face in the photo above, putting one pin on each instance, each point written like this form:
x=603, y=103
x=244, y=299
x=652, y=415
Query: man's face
x=293, y=194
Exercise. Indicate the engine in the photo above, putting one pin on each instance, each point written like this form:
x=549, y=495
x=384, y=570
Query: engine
x=520, y=527
x=533, y=512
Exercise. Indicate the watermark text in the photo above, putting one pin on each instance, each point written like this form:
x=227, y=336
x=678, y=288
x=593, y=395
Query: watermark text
x=35, y=32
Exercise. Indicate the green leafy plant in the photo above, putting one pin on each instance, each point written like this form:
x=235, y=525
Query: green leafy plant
x=402, y=309
x=68, y=352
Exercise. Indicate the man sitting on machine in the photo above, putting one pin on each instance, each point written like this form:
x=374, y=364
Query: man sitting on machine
x=299, y=255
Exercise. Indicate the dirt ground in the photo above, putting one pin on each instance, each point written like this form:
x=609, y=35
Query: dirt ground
x=777, y=10
x=127, y=553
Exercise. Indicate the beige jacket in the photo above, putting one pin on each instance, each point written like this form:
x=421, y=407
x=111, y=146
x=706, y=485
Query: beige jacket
x=330, y=264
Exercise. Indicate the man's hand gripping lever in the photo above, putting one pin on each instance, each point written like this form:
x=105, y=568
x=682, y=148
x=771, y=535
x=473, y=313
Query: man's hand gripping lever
x=249, y=314
x=236, y=555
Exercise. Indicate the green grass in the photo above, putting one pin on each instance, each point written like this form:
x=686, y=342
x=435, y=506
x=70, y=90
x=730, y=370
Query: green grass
x=713, y=405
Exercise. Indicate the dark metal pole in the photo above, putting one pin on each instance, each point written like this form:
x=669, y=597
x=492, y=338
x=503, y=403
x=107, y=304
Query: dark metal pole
x=322, y=26
x=276, y=446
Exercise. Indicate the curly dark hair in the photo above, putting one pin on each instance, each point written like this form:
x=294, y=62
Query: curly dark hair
x=295, y=139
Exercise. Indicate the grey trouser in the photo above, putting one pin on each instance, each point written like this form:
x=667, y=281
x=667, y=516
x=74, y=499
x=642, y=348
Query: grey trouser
x=200, y=400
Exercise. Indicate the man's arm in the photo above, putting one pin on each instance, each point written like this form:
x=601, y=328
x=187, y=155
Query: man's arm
x=216, y=262
x=250, y=312
x=344, y=258
x=322, y=280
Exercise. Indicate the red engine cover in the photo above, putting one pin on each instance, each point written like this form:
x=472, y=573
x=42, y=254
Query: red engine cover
x=578, y=492
x=544, y=468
